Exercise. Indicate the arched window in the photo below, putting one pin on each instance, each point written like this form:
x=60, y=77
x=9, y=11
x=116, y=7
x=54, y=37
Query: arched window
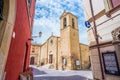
x=64, y=22
x=73, y=23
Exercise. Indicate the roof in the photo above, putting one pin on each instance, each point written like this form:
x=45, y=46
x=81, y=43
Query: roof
x=36, y=44
x=83, y=44
x=65, y=13
x=50, y=37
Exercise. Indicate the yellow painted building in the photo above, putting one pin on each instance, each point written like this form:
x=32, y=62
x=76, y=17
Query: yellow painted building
x=65, y=52
x=35, y=54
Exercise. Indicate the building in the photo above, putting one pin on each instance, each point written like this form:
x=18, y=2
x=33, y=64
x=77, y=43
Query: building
x=16, y=18
x=104, y=37
x=35, y=54
x=64, y=52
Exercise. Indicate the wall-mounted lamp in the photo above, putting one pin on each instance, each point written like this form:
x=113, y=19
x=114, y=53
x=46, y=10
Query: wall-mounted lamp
x=40, y=34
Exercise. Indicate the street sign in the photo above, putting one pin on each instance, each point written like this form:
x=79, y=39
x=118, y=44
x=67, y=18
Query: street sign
x=87, y=24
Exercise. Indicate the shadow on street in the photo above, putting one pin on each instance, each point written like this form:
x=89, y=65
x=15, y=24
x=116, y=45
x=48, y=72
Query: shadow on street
x=44, y=75
x=75, y=77
x=37, y=71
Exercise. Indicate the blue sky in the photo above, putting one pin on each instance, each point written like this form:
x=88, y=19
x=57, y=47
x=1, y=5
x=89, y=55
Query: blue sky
x=46, y=20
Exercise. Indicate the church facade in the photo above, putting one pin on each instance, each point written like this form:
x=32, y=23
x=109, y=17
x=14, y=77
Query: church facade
x=64, y=52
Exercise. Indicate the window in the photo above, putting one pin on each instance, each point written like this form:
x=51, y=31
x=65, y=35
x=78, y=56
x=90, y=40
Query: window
x=111, y=4
x=64, y=22
x=115, y=3
x=28, y=5
x=51, y=41
x=73, y=24
x=1, y=9
x=33, y=50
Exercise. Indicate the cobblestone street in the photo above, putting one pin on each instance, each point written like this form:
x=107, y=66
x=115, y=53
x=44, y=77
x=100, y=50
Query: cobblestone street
x=50, y=74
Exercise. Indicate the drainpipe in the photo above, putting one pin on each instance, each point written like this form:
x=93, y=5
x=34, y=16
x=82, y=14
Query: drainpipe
x=57, y=55
x=80, y=57
x=96, y=38
x=40, y=56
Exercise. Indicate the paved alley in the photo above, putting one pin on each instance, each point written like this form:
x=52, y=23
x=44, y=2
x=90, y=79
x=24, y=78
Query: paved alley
x=50, y=74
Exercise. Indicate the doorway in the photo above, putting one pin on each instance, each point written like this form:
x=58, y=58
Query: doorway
x=32, y=60
x=50, y=58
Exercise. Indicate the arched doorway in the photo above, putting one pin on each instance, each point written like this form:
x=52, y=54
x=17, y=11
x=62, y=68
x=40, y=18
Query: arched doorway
x=51, y=58
x=32, y=60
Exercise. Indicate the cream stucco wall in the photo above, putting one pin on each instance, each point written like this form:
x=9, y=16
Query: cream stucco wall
x=85, y=56
x=97, y=8
x=52, y=49
x=35, y=52
x=44, y=53
x=105, y=25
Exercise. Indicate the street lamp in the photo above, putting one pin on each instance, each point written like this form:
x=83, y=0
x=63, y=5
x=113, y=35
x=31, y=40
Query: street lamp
x=40, y=34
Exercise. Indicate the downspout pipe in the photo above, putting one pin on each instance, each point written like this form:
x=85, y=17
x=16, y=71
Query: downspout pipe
x=57, y=55
x=96, y=38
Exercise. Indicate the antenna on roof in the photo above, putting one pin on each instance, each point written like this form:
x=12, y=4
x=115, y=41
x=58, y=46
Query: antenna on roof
x=52, y=33
x=64, y=11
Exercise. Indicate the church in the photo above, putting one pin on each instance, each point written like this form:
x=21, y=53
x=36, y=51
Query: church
x=64, y=52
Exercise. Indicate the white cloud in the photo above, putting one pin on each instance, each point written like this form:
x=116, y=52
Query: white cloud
x=47, y=15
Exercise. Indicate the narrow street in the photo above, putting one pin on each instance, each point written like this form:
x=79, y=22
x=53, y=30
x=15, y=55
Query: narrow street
x=51, y=74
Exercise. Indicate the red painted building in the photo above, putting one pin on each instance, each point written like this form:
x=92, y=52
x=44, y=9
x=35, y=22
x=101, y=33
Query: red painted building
x=19, y=51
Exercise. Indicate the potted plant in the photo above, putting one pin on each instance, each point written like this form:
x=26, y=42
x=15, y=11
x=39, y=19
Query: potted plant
x=27, y=75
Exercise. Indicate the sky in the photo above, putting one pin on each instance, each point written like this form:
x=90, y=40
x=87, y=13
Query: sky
x=47, y=18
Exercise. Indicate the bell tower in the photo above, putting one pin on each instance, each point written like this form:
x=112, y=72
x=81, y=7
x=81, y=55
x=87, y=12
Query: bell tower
x=70, y=49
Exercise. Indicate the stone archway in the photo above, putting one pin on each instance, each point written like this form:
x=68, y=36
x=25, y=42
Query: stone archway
x=6, y=29
x=32, y=60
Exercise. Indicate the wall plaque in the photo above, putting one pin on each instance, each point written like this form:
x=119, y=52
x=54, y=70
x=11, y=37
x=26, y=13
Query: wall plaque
x=110, y=63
